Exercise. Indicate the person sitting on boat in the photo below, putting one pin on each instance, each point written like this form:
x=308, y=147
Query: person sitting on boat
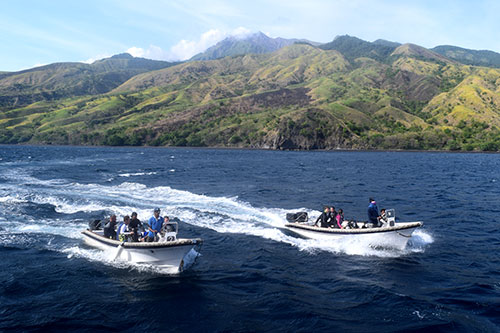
x=167, y=227
x=134, y=226
x=324, y=217
x=373, y=213
x=154, y=225
x=332, y=217
x=109, y=228
x=339, y=219
x=123, y=231
x=382, y=218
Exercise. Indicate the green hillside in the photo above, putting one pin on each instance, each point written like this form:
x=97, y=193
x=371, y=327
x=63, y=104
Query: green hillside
x=299, y=97
x=62, y=80
x=353, y=48
x=469, y=57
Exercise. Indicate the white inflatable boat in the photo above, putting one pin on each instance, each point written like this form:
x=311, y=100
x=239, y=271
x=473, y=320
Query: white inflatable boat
x=168, y=251
x=389, y=235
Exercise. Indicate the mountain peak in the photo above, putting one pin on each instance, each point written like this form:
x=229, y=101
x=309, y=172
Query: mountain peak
x=409, y=49
x=346, y=37
x=257, y=42
x=353, y=48
x=254, y=36
x=386, y=43
x=122, y=56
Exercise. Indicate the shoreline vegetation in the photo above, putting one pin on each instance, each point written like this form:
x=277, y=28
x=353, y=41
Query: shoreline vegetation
x=345, y=95
x=259, y=149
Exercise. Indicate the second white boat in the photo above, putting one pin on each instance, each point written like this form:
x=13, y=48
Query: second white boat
x=390, y=235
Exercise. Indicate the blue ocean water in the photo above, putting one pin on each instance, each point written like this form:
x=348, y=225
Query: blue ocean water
x=251, y=275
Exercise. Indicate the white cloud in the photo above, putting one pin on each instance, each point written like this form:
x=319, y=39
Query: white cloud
x=152, y=52
x=98, y=57
x=136, y=52
x=185, y=49
x=241, y=32
x=37, y=65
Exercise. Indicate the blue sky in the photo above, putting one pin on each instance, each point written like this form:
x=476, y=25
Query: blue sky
x=41, y=32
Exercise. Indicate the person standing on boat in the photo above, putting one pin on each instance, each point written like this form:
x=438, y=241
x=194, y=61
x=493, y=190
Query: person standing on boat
x=134, y=226
x=324, y=217
x=109, y=227
x=154, y=225
x=373, y=213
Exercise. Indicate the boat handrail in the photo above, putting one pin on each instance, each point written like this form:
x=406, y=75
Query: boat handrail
x=397, y=226
x=128, y=245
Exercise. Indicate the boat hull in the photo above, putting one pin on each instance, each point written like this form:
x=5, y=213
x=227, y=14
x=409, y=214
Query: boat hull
x=396, y=236
x=168, y=254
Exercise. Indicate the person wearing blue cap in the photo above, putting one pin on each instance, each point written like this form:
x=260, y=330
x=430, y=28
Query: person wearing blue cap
x=154, y=225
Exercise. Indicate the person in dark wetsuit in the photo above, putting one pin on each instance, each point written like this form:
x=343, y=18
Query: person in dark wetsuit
x=109, y=228
x=324, y=217
x=332, y=222
x=134, y=226
x=373, y=213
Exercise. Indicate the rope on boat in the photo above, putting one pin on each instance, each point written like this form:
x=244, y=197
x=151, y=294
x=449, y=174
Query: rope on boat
x=403, y=234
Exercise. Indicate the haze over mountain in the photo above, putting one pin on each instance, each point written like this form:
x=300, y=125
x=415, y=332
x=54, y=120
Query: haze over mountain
x=347, y=94
x=251, y=43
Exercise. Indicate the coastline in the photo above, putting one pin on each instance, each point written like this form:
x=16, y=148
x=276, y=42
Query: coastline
x=261, y=149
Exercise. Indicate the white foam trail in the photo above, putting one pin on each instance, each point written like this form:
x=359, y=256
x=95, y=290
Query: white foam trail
x=419, y=236
x=419, y=240
x=137, y=174
x=12, y=200
x=221, y=214
x=56, y=227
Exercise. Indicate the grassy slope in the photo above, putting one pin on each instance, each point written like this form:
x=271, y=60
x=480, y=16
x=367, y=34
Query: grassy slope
x=63, y=80
x=297, y=97
x=469, y=57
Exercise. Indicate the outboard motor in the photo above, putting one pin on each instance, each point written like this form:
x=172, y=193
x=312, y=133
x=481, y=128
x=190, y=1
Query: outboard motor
x=95, y=225
x=297, y=217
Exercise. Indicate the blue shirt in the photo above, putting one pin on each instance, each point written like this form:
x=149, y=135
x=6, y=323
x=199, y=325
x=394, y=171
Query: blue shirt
x=372, y=213
x=155, y=224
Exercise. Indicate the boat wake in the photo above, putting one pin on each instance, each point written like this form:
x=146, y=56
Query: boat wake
x=62, y=208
